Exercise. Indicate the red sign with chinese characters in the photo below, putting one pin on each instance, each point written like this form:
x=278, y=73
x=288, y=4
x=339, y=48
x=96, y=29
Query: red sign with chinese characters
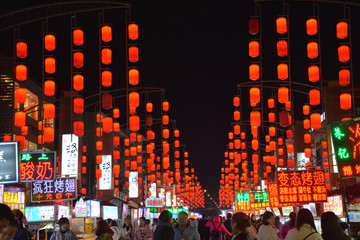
x=55, y=190
x=301, y=186
x=37, y=166
x=273, y=196
x=155, y=202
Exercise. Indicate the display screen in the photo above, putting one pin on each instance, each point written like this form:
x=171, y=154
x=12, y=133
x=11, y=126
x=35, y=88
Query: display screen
x=110, y=212
x=93, y=208
x=35, y=166
x=40, y=213
x=63, y=211
x=334, y=204
x=80, y=208
x=9, y=162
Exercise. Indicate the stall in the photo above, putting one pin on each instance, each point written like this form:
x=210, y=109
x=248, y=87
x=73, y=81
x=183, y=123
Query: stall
x=41, y=220
x=84, y=223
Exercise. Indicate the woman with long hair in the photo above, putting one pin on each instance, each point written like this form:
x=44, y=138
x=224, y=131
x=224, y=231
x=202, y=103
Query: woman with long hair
x=142, y=231
x=240, y=224
x=103, y=231
x=331, y=228
x=217, y=228
x=267, y=229
x=304, y=228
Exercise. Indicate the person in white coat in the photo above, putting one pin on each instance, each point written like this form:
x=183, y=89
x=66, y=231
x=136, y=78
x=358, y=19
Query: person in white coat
x=115, y=229
x=305, y=227
x=267, y=229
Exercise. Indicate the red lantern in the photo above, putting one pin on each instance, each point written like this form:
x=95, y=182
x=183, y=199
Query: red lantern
x=272, y=131
x=21, y=72
x=49, y=88
x=50, y=65
x=254, y=72
x=254, y=49
x=106, y=78
x=165, y=119
x=149, y=107
x=280, y=141
x=306, y=123
x=78, y=59
x=49, y=42
x=236, y=115
x=345, y=101
x=283, y=95
x=79, y=128
x=315, y=120
x=7, y=138
x=306, y=109
x=133, y=31
x=271, y=116
x=49, y=110
x=344, y=53
x=106, y=55
x=165, y=106
x=312, y=50
x=116, y=113
x=21, y=50
x=134, y=99
x=107, y=101
x=282, y=48
x=307, y=138
x=311, y=26
x=313, y=73
x=255, y=118
x=253, y=26
x=236, y=101
x=342, y=30
x=290, y=148
x=106, y=33
x=116, y=127
x=20, y=119
x=314, y=97
x=134, y=123
x=290, y=163
x=78, y=37
x=98, y=173
x=78, y=82
x=281, y=25
x=107, y=124
x=255, y=145
x=307, y=152
x=78, y=105
x=344, y=77
x=271, y=103
x=49, y=134
x=22, y=140
x=284, y=118
x=282, y=71
x=133, y=77
x=20, y=95
x=255, y=95
x=133, y=54
x=116, y=154
x=99, y=145
x=288, y=106
x=237, y=129
x=166, y=133
x=289, y=134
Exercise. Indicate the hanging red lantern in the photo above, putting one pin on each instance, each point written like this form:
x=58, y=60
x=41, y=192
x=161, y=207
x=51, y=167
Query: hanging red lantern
x=21, y=50
x=150, y=135
x=306, y=109
x=255, y=95
x=166, y=133
x=342, y=30
x=255, y=118
x=289, y=134
x=106, y=55
x=311, y=27
x=345, y=101
x=281, y=25
x=271, y=116
x=99, y=145
x=79, y=128
x=116, y=113
x=98, y=173
x=307, y=138
x=116, y=154
x=7, y=138
x=176, y=133
x=20, y=95
x=49, y=110
x=165, y=119
x=116, y=127
x=312, y=50
x=290, y=163
x=288, y=106
x=255, y=145
x=344, y=53
x=106, y=78
x=254, y=26
x=254, y=49
x=133, y=77
x=107, y=124
x=78, y=105
x=282, y=71
x=290, y=148
x=49, y=42
x=50, y=65
x=315, y=120
x=78, y=58
x=313, y=73
x=78, y=37
x=106, y=33
x=236, y=115
x=306, y=123
x=133, y=54
x=99, y=131
x=272, y=131
x=165, y=106
x=107, y=101
x=284, y=118
x=271, y=103
x=78, y=82
x=307, y=152
x=22, y=140
x=149, y=107
x=282, y=48
x=280, y=141
x=49, y=88
x=21, y=72
x=231, y=135
x=133, y=31
x=49, y=134
x=281, y=151
x=236, y=101
x=24, y=130
x=314, y=97
x=344, y=77
x=134, y=123
x=134, y=99
x=254, y=72
x=283, y=95
x=237, y=129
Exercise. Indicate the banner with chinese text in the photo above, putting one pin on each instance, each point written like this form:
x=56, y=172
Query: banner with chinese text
x=9, y=162
x=106, y=176
x=54, y=190
x=273, y=196
x=154, y=202
x=35, y=166
x=69, y=155
x=252, y=200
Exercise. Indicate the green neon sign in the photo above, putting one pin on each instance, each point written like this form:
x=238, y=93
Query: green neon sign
x=338, y=133
x=343, y=153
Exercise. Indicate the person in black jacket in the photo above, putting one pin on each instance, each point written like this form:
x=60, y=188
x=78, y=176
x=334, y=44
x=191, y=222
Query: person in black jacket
x=204, y=231
x=164, y=230
x=240, y=224
x=21, y=233
x=227, y=224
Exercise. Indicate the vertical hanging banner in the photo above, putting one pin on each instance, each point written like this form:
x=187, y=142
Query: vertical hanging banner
x=106, y=177
x=9, y=162
x=69, y=155
x=153, y=190
x=168, y=199
x=36, y=166
x=133, y=185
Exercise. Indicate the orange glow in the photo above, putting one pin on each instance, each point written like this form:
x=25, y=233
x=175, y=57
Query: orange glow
x=49, y=42
x=283, y=95
x=133, y=77
x=344, y=77
x=133, y=54
x=345, y=101
x=255, y=118
x=78, y=58
x=255, y=95
x=20, y=95
x=20, y=119
x=342, y=30
x=344, y=53
x=271, y=103
x=106, y=33
x=236, y=115
x=272, y=131
x=271, y=116
x=165, y=119
x=254, y=49
x=314, y=97
x=282, y=48
x=108, y=124
x=78, y=82
x=166, y=133
x=49, y=134
x=165, y=106
x=282, y=71
x=312, y=50
x=134, y=99
x=99, y=145
x=49, y=88
x=236, y=101
x=311, y=26
x=78, y=37
x=254, y=72
x=306, y=109
x=106, y=56
x=106, y=78
x=21, y=72
x=50, y=65
x=49, y=110
x=281, y=25
x=116, y=113
x=134, y=123
x=306, y=123
x=315, y=120
x=313, y=73
x=21, y=50
x=237, y=129
x=307, y=138
x=78, y=105
x=79, y=128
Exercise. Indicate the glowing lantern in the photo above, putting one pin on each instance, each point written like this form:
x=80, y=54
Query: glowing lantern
x=133, y=77
x=49, y=88
x=282, y=48
x=255, y=95
x=49, y=42
x=290, y=163
x=78, y=82
x=306, y=123
x=306, y=109
x=284, y=118
x=254, y=72
x=107, y=101
x=307, y=138
x=21, y=50
x=149, y=107
x=313, y=73
x=342, y=30
x=314, y=97
x=282, y=71
x=345, y=101
x=106, y=33
x=106, y=55
x=236, y=101
x=311, y=26
x=107, y=124
x=165, y=106
x=307, y=152
x=106, y=78
x=289, y=134
x=272, y=131
x=78, y=59
x=20, y=118
x=271, y=103
x=255, y=145
x=253, y=26
x=49, y=110
x=78, y=37
x=271, y=116
x=268, y=169
x=21, y=72
x=236, y=115
x=99, y=145
x=133, y=54
x=290, y=148
x=280, y=141
x=49, y=133
x=344, y=53
x=255, y=118
x=78, y=105
x=288, y=106
x=344, y=77
x=7, y=138
x=134, y=99
x=283, y=95
x=315, y=120
x=254, y=49
x=50, y=65
x=98, y=173
x=165, y=119
x=166, y=133
x=20, y=95
x=79, y=128
x=116, y=127
x=231, y=135
x=281, y=25
x=133, y=31
x=134, y=123
x=281, y=151
x=237, y=129
x=312, y=50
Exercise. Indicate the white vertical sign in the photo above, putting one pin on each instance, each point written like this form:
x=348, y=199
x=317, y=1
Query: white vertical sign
x=173, y=204
x=69, y=154
x=133, y=185
x=168, y=199
x=106, y=175
x=162, y=193
x=153, y=190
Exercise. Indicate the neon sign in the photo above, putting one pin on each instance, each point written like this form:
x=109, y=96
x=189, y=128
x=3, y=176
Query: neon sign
x=54, y=190
x=252, y=200
x=273, y=196
x=154, y=202
x=35, y=166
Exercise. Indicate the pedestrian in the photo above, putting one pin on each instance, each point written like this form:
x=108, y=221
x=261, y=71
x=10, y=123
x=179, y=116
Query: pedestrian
x=217, y=228
x=164, y=230
x=278, y=226
x=21, y=233
x=64, y=232
x=331, y=228
x=8, y=223
x=252, y=231
x=259, y=222
x=154, y=223
x=304, y=228
x=227, y=224
x=240, y=224
x=127, y=230
x=142, y=231
x=253, y=220
x=185, y=229
x=103, y=231
x=267, y=229
x=203, y=230
x=115, y=229
x=290, y=224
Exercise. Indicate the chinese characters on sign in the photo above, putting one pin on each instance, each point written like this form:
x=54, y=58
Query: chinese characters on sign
x=69, y=154
x=9, y=153
x=346, y=140
x=58, y=189
x=252, y=200
x=334, y=204
x=301, y=186
x=15, y=200
x=155, y=202
x=35, y=166
x=133, y=185
x=106, y=177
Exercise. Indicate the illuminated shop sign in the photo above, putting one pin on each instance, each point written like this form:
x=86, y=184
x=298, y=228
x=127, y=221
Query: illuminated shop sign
x=9, y=162
x=154, y=202
x=273, y=196
x=252, y=200
x=69, y=155
x=106, y=176
x=55, y=190
x=35, y=166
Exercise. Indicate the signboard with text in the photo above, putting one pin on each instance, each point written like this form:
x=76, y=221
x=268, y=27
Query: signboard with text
x=334, y=204
x=54, y=190
x=273, y=196
x=40, y=213
x=106, y=176
x=154, y=202
x=35, y=166
x=9, y=162
x=252, y=200
x=346, y=140
x=69, y=155
x=133, y=185
x=301, y=186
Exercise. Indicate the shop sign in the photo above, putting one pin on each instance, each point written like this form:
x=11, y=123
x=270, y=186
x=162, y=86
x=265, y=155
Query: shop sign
x=110, y=212
x=80, y=208
x=153, y=189
x=133, y=185
x=168, y=199
x=252, y=200
x=40, y=213
x=273, y=196
x=334, y=204
x=346, y=140
x=9, y=162
x=15, y=200
x=35, y=166
x=54, y=190
x=106, y=177
x=69, y=155
x=63, y=211
x=154, y=202
x=301, y=186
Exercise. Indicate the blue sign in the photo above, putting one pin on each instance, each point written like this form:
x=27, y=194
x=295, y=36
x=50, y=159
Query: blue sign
x=40, y=213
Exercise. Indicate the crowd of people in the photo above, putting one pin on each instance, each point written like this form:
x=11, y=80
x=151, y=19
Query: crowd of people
x=239, y=226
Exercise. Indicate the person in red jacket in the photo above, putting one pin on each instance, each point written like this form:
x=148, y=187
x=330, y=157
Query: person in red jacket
x=216, y=229
x=288, y=225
